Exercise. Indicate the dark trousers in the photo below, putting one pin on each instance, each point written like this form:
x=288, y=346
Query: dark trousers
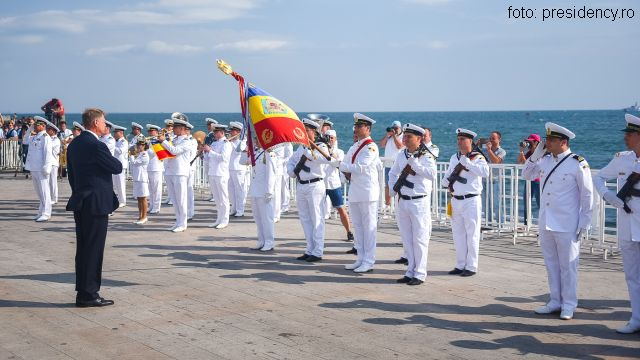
x=91, y=233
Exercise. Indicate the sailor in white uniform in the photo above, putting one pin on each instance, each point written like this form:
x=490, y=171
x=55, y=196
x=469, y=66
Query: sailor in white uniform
x=155, y=170
x=177, y=171
x=625, y=168
x=121, y=152
x=208, y=140
x=285, y=191
x=412, y=175
x=136, y=134
x=56, y=146
x=362, y=162
x=218, y=156
x=108, y=139
x=39, y=162
x=191, y=196
x=238, y=186
x=306, y=165
x=566, y=197
x=464, y=180
x=262, y=190
x=169, y=135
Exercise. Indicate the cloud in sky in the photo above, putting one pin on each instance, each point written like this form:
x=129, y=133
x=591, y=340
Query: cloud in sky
x=161, y=47
x=253, y=45
x=429, y=2
x=109, y=50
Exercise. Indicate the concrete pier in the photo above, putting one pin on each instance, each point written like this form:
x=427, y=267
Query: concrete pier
x=203, y=294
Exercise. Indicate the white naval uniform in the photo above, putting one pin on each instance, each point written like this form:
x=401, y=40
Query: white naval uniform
x=176, y=171
x=238, y=186
x=121, y=152
x=281, y=175
x=218, y=158
x=154, y=171
x=53, y=176
x=364, y=193
x=566, y=204
x=139, y=174
x=39, y=162
x=414, y=213
x=332, y=174
x=285, y=194
x=310, y=193
x=467, y=213
x=191, y=197
x=110, y=142
x=261, y=190
x=620, y=167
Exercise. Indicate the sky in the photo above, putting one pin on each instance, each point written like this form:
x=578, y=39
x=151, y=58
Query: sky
x=315, y=55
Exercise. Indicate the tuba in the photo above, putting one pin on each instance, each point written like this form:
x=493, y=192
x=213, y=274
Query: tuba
x=319, y=118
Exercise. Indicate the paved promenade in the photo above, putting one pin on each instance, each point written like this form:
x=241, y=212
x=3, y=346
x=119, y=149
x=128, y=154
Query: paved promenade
x=203, y=294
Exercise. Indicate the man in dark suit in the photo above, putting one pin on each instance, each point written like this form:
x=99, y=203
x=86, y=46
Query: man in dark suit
x=90, y=166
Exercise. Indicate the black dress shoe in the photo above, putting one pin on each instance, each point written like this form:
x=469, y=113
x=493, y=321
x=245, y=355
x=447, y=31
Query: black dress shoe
x=402, y=261
x=468, y=273
x=352, y=251
x=456, y=271
x=415, y=281
x=313, y=258
x=94, y=303
x=404, y=280
x=349, y=236
x=303, y=257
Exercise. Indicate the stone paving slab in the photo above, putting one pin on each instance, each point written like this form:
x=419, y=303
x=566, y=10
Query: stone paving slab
x=203, y=294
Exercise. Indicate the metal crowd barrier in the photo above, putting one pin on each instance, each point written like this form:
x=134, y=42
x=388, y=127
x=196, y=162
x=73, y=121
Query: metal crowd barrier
x=10, y=152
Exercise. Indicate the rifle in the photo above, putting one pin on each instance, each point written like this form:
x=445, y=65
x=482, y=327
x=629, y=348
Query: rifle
x=300, y=166
x=627, y=190
x=455, y=174
x=407, y=170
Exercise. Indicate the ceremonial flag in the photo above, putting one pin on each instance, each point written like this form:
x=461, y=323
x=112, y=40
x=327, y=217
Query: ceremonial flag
x=160, y=151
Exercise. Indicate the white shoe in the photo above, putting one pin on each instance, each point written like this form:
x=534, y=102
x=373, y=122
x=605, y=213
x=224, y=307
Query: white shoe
x=141, y=221
x=238, y=215
x=122, y=205
x=546, y=309
x=212, y=200
x=221, y=226
x=566, y=315
x=363, y=269
x=37, y=217
x=179, y=229
x=173, y=227
x=628, y=329
x=54, y=202
x=266, y=249
x=154, y=212
x=215, y=224
x=276, y=220
x=42, y=219
x=353, y=266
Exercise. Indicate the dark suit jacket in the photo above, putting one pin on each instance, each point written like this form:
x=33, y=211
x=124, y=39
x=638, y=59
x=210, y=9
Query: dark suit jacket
x=90, y=166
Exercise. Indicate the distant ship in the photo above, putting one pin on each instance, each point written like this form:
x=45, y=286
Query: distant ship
x=632, y=108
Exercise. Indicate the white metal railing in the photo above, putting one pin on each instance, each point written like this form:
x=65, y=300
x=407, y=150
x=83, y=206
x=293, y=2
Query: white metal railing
x=10, y=152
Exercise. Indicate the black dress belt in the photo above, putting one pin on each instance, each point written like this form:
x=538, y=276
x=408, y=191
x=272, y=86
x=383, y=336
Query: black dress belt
x=407, y=197
x=304, y=182
x=462, y=197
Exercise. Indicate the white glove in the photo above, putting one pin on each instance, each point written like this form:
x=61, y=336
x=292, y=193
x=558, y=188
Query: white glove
x=444, y=182
x=580, y=233
x=539, y=152
x=268, y=197
x=611, y=198
x=412, y=161
x=335, y=163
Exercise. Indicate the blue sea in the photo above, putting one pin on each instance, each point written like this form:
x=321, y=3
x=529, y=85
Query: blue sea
x=598, y=134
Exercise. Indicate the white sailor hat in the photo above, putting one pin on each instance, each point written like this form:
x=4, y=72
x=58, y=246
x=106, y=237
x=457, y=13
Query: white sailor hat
x=40, y=119
x=136, y=125
x=154, y=127
x=189, y=125
x=557, y=131
x=78, y=125
x=310, y=124
x=362, y=119
x=413, y=129
x=168, y=122
x=50, y=125
x=236, y=125
x=109, y=123
x=327, y=122
x=466, y=133
x=330, y=132
x=179, y=116
x=210, y=121
x=219, y=126
x=119, y=128
x=633, y=123
x=396, y=124
x=320, y=119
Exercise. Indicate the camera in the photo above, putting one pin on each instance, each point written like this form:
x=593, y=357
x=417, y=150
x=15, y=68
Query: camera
x=389, y=129
x=525, y=144
x=322, y=138
x=482, y=141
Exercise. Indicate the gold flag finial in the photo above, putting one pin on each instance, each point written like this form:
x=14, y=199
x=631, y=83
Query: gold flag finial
x=224, y=67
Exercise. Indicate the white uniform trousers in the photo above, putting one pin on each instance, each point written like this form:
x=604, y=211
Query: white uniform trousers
x=41, y=185
x=414, y=221
x=155, y=190
x=465, y=226
x=237, y=191
x=310, y=202
x=119, y=187
x=285, y=196
x=277, y=197
x=220, y=186
x=561, y=256
x=263, y=216
x=177, y=187
x=53, y=184
x=191, y=199
x=364, y=216
x=631, y=262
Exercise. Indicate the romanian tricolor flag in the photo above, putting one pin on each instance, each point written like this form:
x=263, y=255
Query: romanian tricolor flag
x=160, y=151
x=274, y=122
